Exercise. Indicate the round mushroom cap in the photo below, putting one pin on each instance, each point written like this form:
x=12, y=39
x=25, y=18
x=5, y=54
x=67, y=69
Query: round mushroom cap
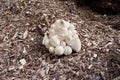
x=67, y=50
x=51, y=49
x=59, y=50
x=54, y=41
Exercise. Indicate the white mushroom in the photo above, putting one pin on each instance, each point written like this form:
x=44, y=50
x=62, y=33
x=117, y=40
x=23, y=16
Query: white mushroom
x=51, y=32
x=59, y=23
x=53, y=26
x=75, y=44
x=75, y=36
x=66, y=24
x=46, y=41
x=59, y=50
x=51, y=49
x=62, y=38
x=64, y=31
x=71, y=27
x=63, y=43
x=54, y=41
x=67, y=50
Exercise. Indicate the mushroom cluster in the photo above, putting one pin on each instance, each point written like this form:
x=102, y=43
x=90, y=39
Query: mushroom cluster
x=62, y=38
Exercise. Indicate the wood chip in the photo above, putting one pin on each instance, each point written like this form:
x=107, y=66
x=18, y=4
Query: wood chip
x=15, y=35
x=23, y=61
x=25, y=34
x=89, y=67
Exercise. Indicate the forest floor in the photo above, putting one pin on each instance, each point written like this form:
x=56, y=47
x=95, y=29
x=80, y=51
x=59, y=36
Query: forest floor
x=22, y=27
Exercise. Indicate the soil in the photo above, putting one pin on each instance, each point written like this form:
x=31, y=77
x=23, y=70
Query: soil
x=22, y=26
x=104, y=6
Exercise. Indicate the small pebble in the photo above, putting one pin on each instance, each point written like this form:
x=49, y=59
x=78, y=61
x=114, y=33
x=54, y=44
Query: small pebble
x=32, y=39
x=42, y=72
x=23, y=61
x=11, y=68
x=21, y=67
x=94, y=55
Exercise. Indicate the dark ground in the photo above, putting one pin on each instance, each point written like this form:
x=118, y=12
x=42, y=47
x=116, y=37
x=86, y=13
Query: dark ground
x=22, y=25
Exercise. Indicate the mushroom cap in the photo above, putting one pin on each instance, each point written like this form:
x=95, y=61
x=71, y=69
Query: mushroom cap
x=51, y=49
x=67, y=50
x=59, y=50
x=75, y=44
x=63, y=43
x=46, y=41
x=54, y=41
x=62, y=38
